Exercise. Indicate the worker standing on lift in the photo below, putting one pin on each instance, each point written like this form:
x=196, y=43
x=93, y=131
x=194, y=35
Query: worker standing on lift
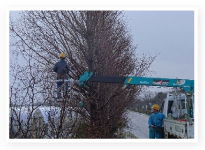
x=62, y=69
x=155, y=123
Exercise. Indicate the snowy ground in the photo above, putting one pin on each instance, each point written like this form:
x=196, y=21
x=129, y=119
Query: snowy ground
x=138, y=124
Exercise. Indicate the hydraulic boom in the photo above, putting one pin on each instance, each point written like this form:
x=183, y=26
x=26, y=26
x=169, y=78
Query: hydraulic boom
x=186, y=84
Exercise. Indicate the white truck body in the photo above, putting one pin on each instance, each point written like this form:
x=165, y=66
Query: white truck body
x=178, y=129
x=175, y=107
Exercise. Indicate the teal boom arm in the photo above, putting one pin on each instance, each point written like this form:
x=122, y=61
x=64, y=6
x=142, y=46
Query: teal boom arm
x=186, y=84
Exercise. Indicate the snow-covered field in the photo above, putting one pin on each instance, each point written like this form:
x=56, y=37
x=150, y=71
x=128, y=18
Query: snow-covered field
x=138, y=124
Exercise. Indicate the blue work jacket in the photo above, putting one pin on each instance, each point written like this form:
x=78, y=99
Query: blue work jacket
x=62, y=69
x=156, y=119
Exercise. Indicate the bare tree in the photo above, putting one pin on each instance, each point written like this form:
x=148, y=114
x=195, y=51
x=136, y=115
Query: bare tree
x=96, y=41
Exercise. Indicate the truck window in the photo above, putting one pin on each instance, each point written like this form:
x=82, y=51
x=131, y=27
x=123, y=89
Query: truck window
x=183, y=103
x=169, y=107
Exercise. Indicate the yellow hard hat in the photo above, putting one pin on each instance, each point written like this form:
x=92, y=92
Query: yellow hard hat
x=62, y=55
x=155, y=106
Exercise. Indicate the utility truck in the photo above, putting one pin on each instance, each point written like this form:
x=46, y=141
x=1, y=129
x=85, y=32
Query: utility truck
x=178, y=108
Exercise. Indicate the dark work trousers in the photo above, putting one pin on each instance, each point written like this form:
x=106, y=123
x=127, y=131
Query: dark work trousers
x=62, y=86
x=155, y=134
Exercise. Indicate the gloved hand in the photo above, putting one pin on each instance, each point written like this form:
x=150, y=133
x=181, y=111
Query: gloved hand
x=151, y=126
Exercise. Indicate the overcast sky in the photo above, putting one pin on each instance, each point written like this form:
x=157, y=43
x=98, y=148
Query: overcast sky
x=170, y=33
x=167, y=33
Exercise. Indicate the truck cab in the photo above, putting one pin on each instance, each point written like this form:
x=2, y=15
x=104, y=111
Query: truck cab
x=175, y=105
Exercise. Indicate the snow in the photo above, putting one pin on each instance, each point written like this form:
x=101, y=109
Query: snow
x=138, y=124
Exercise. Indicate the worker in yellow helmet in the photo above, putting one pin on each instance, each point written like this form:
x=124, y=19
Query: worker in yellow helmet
x=62, y=55
x=62, y=69
x=155, y=123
